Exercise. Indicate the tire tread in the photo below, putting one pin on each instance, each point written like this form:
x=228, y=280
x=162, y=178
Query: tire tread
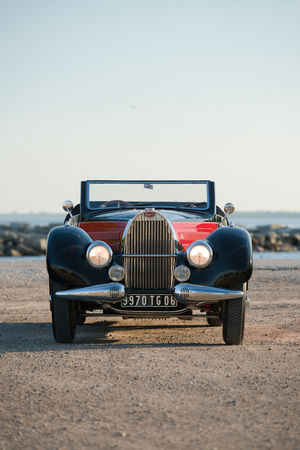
x=63, y=316
x=234, y=319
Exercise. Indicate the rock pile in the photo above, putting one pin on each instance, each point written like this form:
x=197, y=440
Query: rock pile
x=275, y=238
x=22, y=239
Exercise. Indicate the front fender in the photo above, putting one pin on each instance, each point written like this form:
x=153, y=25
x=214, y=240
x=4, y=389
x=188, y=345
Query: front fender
x=233, y=261
x=65, y=258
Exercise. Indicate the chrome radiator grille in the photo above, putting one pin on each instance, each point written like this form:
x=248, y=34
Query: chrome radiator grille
x=149, y=253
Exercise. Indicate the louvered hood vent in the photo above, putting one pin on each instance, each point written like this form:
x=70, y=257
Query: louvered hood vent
x=149, y=253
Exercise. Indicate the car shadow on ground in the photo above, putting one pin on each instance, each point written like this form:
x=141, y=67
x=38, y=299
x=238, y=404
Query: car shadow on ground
x=38, y=337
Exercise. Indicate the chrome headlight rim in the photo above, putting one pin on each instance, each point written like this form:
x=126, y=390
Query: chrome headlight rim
x=182, y=279
x=99, y=244
x=210, y=254
x=112, y=276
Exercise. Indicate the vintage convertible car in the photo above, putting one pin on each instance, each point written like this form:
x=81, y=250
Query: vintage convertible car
x=164, y=251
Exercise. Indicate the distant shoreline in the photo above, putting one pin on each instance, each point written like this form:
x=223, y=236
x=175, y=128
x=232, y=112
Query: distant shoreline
x=17, y=217
x=263, y=214
x=29, y=237
x=247, y=219
x=33, y=219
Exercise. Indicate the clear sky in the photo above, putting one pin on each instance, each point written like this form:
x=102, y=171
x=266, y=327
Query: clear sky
x=157, y=89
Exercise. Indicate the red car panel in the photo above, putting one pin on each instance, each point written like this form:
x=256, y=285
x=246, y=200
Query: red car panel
x=109, y=232
x=188, y=232
x=112, y=232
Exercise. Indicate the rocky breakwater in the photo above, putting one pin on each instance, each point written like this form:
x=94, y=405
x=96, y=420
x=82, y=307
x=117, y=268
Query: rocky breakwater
x=21, y=239
x=275, y=238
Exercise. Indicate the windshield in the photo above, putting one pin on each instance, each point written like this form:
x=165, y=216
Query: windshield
x=105, y=194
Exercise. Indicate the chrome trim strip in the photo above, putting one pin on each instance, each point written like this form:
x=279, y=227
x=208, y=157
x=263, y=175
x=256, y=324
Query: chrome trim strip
x=148, y=181
x=150, y=256
x=155, y=313
x=111, y=292
x=192, y=293
x=126, y=231
x=174, y=234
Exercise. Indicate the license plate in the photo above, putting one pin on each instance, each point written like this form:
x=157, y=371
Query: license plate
x=149, y=301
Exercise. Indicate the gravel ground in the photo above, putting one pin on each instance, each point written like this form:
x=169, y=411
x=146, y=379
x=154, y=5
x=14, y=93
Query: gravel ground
x=150, y=384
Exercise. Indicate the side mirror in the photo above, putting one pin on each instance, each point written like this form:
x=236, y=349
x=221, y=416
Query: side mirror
x=68, y=206
x=228, y=209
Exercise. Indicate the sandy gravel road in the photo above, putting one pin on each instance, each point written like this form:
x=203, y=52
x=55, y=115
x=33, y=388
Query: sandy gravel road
x=150, y=384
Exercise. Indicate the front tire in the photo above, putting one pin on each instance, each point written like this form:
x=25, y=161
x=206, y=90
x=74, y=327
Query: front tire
x=234, y=318
x=63, y=315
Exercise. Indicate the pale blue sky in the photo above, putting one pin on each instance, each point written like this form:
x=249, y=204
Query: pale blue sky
x=139, y=89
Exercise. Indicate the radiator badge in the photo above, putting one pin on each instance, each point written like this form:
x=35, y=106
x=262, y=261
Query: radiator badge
x=149, y=214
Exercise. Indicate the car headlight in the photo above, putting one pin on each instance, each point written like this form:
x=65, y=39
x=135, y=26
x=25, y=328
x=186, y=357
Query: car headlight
x=199, y=254
x=99, y=255
x=182, y=273
x=116, y=273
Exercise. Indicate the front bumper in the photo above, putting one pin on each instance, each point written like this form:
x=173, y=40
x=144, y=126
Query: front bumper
x=184, y=293
x=193, y=293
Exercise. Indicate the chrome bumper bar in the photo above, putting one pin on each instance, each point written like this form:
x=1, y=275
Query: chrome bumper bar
x=193, y=293
x=111, y=293
x=184, y=293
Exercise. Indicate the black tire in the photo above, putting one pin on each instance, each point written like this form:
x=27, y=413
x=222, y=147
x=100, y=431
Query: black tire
x=234, y=318
x=63, y=315
x=214, y=322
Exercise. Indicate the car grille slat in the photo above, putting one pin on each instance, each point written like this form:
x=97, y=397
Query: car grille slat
x=149, y=254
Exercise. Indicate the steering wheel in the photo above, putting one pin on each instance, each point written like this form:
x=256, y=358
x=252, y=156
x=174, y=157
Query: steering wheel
x=115, y=201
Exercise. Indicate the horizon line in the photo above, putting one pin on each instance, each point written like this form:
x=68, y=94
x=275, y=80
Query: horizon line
x=63, y=213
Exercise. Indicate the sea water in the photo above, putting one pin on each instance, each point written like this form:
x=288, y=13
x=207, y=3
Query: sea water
x=253, y=222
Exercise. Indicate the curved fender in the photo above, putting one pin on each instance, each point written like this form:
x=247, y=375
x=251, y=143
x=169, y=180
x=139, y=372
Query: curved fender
x=65, y=258
x=233, y=260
